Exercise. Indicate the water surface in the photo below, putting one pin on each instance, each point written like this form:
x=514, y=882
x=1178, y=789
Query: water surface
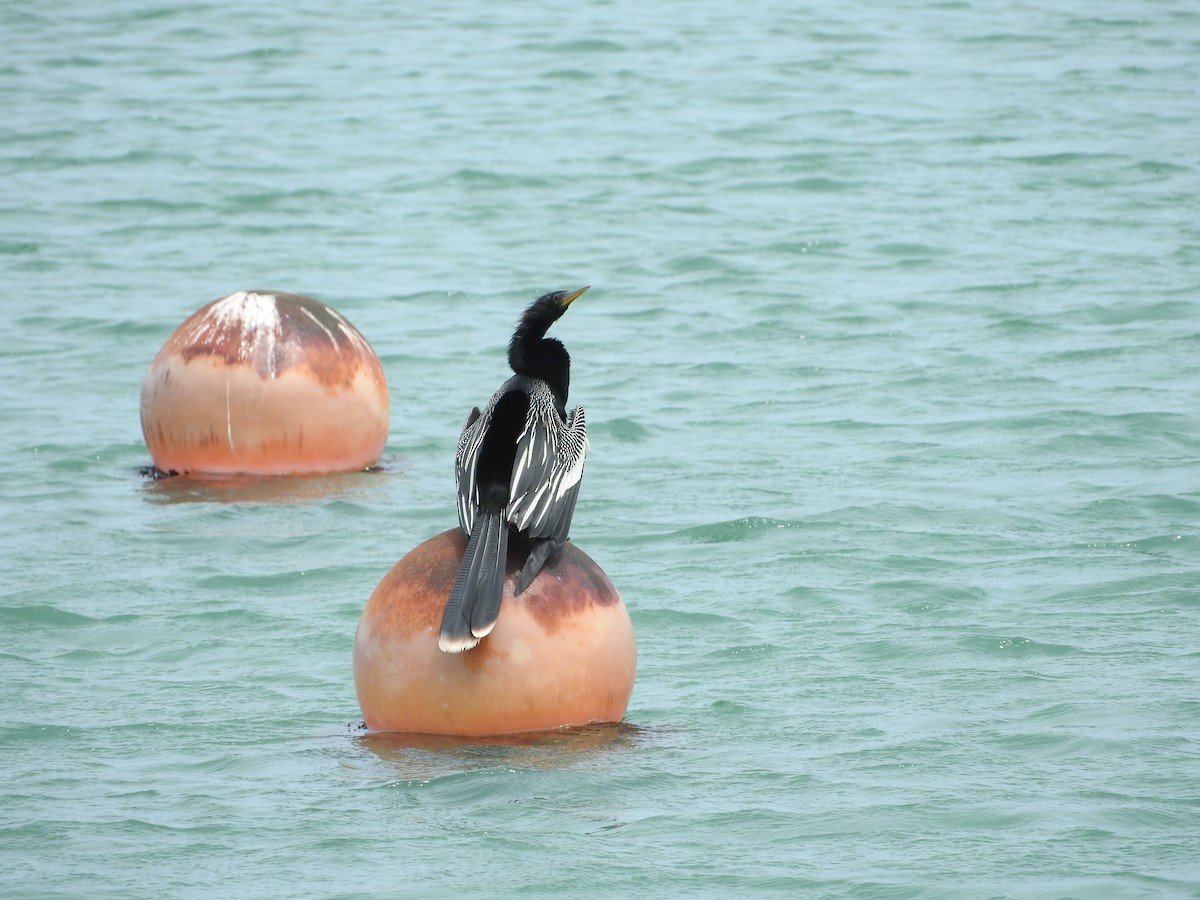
x=890, y=367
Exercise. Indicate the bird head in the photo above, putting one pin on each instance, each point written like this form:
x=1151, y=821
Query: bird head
x=554, y=304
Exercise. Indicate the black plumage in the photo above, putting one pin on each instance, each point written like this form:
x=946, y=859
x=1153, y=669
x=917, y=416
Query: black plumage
x=517, y=470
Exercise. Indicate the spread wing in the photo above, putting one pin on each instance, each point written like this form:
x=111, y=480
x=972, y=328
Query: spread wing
x=465, y=459
x=547, y=472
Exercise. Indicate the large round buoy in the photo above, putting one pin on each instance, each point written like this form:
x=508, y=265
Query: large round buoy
x=265, y=383
x=562, y=653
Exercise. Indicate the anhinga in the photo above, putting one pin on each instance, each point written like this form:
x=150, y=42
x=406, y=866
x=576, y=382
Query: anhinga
x=518, y=467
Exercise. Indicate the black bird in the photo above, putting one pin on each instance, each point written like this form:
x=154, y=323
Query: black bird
x=517, y=468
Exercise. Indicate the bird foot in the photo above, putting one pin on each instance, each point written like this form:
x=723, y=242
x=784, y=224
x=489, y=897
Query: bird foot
x=543, y=551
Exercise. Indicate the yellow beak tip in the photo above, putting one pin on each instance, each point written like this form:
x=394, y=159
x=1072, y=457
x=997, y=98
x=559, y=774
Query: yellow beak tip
x=574, y=295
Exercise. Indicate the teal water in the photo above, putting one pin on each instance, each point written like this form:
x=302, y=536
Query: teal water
x=891, y=365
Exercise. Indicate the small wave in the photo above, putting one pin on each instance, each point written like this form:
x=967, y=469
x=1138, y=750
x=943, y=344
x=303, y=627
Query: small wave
x=625, y=430
x=670, y=619
x=1015, y=646
x=908, y=251
x=732, y=530
x=1157, y=167
x=1000, y=287
x=757, y=651
x=18, y=248
x=41, y=614
x=588, y=45
x=1063, y=159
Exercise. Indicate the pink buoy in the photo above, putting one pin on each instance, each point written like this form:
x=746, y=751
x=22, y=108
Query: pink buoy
x=265, y=383
x=562, y=653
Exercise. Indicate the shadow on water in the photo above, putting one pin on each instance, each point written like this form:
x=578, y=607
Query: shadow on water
x=421, y=756
x=161, y=487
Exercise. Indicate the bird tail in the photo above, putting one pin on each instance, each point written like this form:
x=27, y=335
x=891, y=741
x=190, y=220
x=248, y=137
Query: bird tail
x=474, y=601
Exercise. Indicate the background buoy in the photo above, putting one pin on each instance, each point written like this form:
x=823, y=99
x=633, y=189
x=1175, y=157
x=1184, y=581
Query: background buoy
x=563, y=653
x=265, y=383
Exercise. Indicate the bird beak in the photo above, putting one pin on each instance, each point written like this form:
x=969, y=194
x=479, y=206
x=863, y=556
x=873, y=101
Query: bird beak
x=570, y=298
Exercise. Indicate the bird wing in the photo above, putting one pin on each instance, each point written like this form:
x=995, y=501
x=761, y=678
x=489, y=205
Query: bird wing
x=547, y=472
x=465, y=459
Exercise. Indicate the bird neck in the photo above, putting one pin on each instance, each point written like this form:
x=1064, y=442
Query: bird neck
x=545, y=359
